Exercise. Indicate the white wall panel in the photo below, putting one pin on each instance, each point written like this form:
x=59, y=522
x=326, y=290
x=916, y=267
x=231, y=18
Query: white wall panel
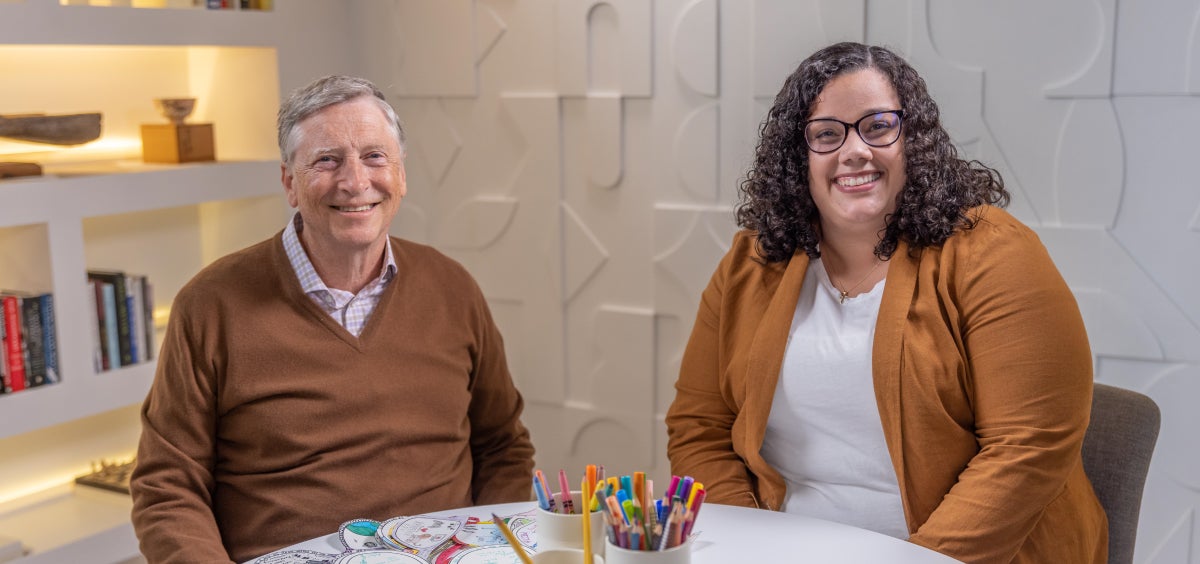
x=582, y=158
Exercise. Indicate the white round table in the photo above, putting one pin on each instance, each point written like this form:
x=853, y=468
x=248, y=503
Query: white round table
x=728, y=534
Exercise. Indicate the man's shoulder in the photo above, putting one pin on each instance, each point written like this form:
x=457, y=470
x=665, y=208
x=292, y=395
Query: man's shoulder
x=421, y=258
x=234, y=270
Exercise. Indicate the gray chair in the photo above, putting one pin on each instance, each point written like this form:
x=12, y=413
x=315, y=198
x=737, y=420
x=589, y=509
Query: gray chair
x=1116, y=457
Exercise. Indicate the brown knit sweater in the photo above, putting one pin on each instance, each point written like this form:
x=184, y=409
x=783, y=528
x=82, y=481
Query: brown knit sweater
x=268, y=423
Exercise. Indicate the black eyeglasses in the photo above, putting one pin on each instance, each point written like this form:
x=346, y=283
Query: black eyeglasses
x=879, y=129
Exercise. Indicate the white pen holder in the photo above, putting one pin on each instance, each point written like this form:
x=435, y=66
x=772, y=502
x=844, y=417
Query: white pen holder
x=561, y=530
x=681, y=554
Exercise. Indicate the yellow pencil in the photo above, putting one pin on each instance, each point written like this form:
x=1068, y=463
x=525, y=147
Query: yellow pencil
x=587, y=523
x=512, y=539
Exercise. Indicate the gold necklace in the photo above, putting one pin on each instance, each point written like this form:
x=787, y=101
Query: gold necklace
x=845, y=294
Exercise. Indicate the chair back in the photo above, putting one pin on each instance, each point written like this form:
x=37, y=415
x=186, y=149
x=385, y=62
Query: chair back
x=1116, y=457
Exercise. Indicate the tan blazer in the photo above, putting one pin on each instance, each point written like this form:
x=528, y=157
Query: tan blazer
x=983, y=379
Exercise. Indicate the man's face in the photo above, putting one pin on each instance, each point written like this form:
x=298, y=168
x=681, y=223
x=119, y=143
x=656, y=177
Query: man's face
x=346, y=176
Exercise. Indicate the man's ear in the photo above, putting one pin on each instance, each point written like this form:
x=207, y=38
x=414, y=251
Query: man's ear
x=287, y=178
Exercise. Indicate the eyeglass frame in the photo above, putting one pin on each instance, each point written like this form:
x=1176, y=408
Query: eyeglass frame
x=846, y=127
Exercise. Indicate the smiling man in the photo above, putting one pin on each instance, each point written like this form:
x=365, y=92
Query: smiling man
x=331, y=372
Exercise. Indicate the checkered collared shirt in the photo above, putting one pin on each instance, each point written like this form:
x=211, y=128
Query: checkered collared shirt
x=349, y=310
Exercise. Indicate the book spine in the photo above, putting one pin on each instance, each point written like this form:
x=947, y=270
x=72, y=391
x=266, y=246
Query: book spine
x=110, y=325
x=121, y=307
x=34, y=338
x=12, y=343
x=148, y=309
x=103, y=361
x=132, y=303
x=3, y=354
x=50, y=338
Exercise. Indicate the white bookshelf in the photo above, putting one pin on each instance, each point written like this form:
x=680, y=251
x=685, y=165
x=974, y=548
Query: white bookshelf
x=67, y=524
x=99, y=206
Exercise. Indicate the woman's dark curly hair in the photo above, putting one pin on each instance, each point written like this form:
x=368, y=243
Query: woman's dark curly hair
x=940, y=187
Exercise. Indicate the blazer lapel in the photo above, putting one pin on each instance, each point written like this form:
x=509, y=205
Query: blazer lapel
x=766, y=357
x=887, y=353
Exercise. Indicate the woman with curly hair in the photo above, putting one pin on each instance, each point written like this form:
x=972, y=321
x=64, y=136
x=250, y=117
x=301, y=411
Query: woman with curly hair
x=883, y=345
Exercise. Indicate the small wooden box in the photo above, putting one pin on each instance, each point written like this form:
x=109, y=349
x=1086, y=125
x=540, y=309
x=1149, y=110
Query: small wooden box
x=170, y=143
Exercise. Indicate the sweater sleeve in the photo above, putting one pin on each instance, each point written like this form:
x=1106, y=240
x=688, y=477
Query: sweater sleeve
x=1030, y=389
x=172, y=483
x=701, y=418
x=501, y=449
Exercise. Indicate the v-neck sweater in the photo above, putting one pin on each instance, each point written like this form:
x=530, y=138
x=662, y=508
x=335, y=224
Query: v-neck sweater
x=268, y=423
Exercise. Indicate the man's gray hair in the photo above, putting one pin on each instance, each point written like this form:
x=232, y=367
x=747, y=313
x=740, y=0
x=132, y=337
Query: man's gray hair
x=320, y=94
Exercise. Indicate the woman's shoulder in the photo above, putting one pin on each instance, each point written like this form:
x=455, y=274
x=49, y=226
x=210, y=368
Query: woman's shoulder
x=996, y=239
x=991, y=225
x=744, y=264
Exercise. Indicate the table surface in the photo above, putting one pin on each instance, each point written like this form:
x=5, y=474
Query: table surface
x=724, y=534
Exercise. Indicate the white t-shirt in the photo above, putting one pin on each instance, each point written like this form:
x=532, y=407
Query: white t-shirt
x=824, y=434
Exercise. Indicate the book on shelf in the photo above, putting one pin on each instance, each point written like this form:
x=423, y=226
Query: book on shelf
x=3, y=354
x=148, y=317
x=14, y=348
x=34, y=336
x=108, y=304
x=32, y=313
x=121, y=302
x=142, y=321
x=101, y=357
x=122, y=317
x=137, y=337
x=50, y=338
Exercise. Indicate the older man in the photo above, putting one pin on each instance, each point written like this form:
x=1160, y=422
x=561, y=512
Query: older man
x=330, y=372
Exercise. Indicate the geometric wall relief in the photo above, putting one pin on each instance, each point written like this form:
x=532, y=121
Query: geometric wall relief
x=691, y=246
x=1089, y=165
x=431, y=135
x=1175, y=547
x=1126, y=312
x=1167, y=531
x=695, y=46
x=788, y=31
x=604, y=46
x=621, y=380
x=407, y=32
x=1168, y=506
x=1173, y=390
x=1156, y=48
x=1193, y=59
x=987, y=151
x=956, y=87
x=1118, y=328
x=1093, y=79
x=476, y=223
x=1058, y=45
x=582, y=250
x=696, y=146
x=605, y=139
x=489, y=26
x=694, y=41
x=622, y=445
x=1161, y=198
x=688, y=241
x=612, y=421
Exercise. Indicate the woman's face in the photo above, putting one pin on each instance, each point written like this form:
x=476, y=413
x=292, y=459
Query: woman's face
x=855, y=186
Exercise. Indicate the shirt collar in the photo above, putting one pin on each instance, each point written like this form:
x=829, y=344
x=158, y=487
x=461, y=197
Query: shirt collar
x=310, y=281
